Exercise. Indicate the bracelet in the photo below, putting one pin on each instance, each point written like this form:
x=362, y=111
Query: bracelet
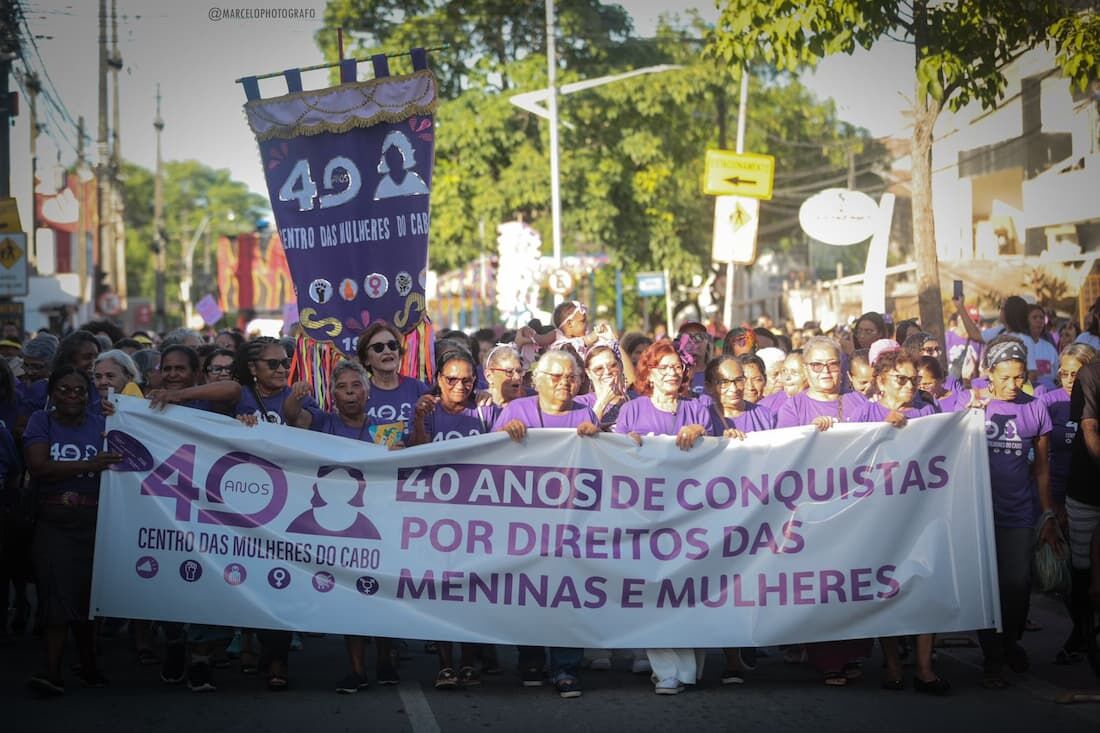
x=1048, y=514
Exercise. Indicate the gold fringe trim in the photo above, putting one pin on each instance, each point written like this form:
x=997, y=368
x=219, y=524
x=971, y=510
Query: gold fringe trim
x=366, y=88
x=299, y=130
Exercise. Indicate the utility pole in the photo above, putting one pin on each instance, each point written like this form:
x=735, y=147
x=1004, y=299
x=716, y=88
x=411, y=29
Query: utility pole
x=102, y=172
x=742, y=112
x=552, y=105
x=115, y=63
x=9, y=51
x=34, y=87
x=83, y=261
x=159, y=241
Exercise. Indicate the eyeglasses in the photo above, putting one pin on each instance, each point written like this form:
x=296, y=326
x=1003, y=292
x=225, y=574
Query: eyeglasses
x=517, y=372
x=66, y=391
x=274, y=364
x=455, y=381
x=222, y=369
x=562, y=377
x=724, y=384
x=669, y=368
x=819, y=366
x=381, y=346
x=901, y=380
x=1064, y=375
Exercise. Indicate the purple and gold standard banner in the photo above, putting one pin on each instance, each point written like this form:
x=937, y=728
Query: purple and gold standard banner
x=349, y=173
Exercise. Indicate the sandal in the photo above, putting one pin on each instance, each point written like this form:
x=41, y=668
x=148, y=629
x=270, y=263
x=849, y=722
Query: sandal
x=446, y=679
x=468, y=677
x=835, y=679
x=277, y=683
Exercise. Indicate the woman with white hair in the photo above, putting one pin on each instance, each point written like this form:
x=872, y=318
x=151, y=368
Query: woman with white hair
x=556, y=379
x=115, y=370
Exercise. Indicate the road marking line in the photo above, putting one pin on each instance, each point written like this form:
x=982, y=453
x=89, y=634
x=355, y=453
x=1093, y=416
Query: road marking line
x=421, y=717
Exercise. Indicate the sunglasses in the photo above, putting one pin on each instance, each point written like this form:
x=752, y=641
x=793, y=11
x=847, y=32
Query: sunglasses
x=517, y=372
x=455, y=381
x=274, y=364
x=901, y=380
x=381, y=346
x=819, y=366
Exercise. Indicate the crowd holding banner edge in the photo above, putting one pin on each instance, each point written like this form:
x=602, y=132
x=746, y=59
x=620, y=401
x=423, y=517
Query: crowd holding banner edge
x=1038, y=385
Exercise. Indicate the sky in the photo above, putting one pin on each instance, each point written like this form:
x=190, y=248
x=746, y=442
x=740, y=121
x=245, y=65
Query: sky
x=195, y=60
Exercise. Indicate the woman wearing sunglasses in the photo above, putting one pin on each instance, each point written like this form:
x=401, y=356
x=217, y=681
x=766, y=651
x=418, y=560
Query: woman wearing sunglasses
x=664, y=407
x=392, y=396
x=262, y=368
x=63, y=453
x=504, y=374
x=608, y=395
x=895, y=382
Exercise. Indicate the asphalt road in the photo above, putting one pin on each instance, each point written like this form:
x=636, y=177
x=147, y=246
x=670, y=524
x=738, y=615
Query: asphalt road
x=777, y=697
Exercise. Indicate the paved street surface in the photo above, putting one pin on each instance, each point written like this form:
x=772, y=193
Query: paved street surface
x=778, y=696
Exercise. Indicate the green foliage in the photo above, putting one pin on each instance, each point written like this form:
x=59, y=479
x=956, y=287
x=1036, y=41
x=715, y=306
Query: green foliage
x=631, y=151
x=192, y=191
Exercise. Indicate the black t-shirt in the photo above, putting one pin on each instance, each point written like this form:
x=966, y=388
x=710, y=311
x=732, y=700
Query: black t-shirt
x=1084, y=404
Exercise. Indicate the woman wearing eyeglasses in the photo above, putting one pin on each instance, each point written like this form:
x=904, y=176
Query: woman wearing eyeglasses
x=822, y=405
x=448, y=411
x=793, y=380
x=179, y=377
x=556, y=379
x=63, y=453
x=392, y=396
x=218, y=365
x=608, y=395
x=664, y=407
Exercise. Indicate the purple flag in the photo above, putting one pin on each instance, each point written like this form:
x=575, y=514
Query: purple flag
x=209, y=310
x=349, y=172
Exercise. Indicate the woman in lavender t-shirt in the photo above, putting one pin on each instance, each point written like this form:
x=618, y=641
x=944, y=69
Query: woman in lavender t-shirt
x=662, y=408
x=556, y=378
x=392, y=396
x=448, y=412
x=1018, y=428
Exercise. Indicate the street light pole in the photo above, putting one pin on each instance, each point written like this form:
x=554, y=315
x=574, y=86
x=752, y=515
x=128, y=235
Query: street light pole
x=742, y=109
x=555, y=186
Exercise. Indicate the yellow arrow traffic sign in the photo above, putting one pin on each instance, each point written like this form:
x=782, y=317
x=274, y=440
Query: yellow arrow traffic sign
x=739, y=174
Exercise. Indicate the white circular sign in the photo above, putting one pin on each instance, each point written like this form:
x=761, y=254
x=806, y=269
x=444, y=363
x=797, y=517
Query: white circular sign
x=561, y=282
x=838, y=216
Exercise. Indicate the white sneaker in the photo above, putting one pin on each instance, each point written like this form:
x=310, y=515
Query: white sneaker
x=600, y=664
x=641, y=666
x=670, y=686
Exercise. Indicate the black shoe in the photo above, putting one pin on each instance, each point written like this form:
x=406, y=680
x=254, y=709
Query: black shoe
x=351, y=684
x=747, y=656
x=174, y=669
x=938, y=686
x=94, y=679
x=199, y=678
x=1016, y=659
x=532, y=677
x=46, y=685
x=386, y=674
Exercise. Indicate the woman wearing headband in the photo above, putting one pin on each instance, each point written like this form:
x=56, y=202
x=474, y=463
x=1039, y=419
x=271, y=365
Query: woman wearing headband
x=1018, y=431
x=605, y=374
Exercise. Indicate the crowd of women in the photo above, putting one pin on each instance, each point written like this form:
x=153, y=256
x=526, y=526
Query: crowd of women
x=1040, y=392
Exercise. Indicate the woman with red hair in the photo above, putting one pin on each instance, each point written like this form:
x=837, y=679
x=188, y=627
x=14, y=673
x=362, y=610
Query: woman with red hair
x=664, y=407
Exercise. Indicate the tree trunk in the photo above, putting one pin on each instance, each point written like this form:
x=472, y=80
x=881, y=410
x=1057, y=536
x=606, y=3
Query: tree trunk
x=926, y=110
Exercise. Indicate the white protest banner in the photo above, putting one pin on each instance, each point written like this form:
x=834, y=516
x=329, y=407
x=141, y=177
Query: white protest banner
x=792, y=535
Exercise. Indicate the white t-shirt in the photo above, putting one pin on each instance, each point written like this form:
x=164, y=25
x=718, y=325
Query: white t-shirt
x=1042, y=357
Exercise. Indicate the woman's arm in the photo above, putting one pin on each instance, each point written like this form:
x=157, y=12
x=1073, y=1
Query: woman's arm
x=228, y=392
x=42, y=467
x=424, y=405
x=1048, y=532
x=293, y=414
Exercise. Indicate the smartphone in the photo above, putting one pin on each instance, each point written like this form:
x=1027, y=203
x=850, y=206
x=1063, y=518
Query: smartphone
x=958, y=289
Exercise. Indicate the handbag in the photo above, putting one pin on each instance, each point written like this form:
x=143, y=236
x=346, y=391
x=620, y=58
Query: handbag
x=1050, y=571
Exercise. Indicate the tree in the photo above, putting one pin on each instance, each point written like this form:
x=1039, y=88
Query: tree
x=961, y=48
x=192, y=190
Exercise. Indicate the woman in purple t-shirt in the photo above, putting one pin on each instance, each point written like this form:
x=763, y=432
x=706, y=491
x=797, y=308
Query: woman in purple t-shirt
x=448, y=411
x=664, y=407
x=392, y=396
x=822, y=405
x=608, y=395
x=1018, y=428
x=732, y=415
x=556, y=378
x=896, y=401
x=63, y=453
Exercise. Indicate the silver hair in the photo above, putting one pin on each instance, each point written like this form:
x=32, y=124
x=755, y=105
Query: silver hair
x=557, y=355
x=1081, y=352
x=502, y=351
x=348, y=365
x=178, y=336
x=122, y=359
x=820, y=342
x=41, y=348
